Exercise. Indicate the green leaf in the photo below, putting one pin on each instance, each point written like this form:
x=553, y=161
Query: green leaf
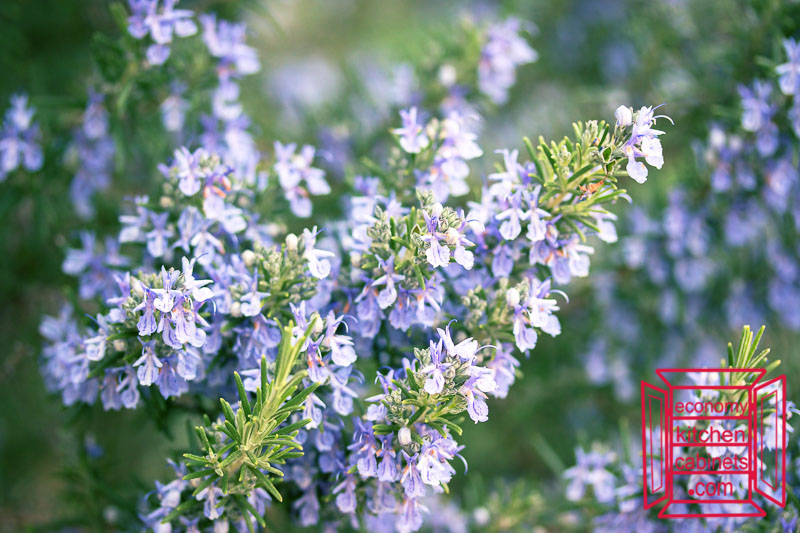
x=198, y=474
x=242, y=394
x=292, y=427
x=196, y=458
x=266, y=483
x=242, y=501
x=226, y=410
x=180, y=510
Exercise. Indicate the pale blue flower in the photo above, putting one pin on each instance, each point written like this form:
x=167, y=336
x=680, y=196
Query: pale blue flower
x=317, y=264
x=160, y=24
x=19, y=138
x=148, y=364
x=226, y=41
x=411, y=136
x=435, y=369
x=503, y=52
x=789, y=72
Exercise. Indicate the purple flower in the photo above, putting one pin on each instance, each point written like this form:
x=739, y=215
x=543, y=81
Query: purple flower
x=506, y=182
x=410, y=478
x=411, y=136
x=789, y=72
x=342, y=394
x=226, y=41
x=435, y=369
x=364, y=450
x=312, y=411
x=504, y=367
x=449, y=171
x=308, y=506
x=757, y=110
x=436, y=254
x=95, y=117
x=211, y=507
x=158, y=237
x=341, y=346
x=146, y=18
x=537, y=227
x=503, y=52
x=643, y=143
x=434, y=460
x=133, y=226
x=147, y=324
x=190, y=176
x=19, y=138
x=387, y=468
x=346, y=495
x=317, y=264
x=388, y=295
x=464, y=350
x=590, y=470
x=173, y=109
x=410, y=516
x=511, y=217
x=149, y=364
x=294, y=169
x=524, y=335
x=251, y=301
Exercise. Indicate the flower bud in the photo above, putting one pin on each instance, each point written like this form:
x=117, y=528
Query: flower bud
x=624, y=116
x=249, y=258
x=451, y=236
x=291, y=242
x=447, y=75
x=136, y=287
x=436, y=209
x=318, y=324
x=404, y=436
x=120, y=345
x=512, y=297
x=481, y=516
x=166, y=202
x=236, y=309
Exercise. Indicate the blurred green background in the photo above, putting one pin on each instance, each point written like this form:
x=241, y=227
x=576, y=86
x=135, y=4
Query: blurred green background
x=593, y=57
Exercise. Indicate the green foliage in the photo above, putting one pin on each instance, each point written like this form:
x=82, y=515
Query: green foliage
x=240, y=452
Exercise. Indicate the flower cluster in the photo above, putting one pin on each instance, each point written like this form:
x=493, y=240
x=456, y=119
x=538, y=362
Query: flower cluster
x=358, y=346
x=161, y=23
x=503, y=52
x=92, y=154
x=681, y=253
x=181, y=320
x=413, y=266
x=643, y=141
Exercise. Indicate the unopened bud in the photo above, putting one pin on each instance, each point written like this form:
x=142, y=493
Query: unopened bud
x=447, y=75
x=291, y=242
x=166, y=202
x=136, y=287
x=249, y=258
x=404, y=436
x=481, y=516
x=512, y=297
x=436, y=209
x=120, y=345
x=624, y=116
x=318, y=324
x=451, y=236
x=236, y=309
